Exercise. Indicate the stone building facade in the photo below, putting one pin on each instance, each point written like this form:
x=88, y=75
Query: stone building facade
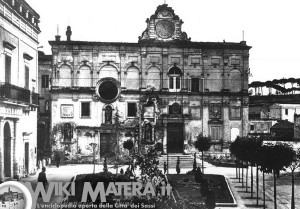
x=44, y=114
x=18, y=88
x=164, y=88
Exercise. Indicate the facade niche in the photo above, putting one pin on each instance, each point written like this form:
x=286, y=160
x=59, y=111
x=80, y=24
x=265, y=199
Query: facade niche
x=67, y=132
x=152, y=78
x=64, y=76
x=84, y=76
x=132, y=79
x=108, y=114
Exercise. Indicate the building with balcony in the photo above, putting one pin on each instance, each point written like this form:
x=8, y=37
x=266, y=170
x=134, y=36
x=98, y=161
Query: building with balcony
x=19, y=99
x=164, y=88
x=43, y=135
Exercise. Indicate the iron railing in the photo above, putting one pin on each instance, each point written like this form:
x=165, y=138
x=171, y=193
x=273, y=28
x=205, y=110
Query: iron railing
x=19, y=94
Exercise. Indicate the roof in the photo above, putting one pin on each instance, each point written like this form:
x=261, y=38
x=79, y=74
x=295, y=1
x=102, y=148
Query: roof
x=287, y=105
x=148, y=43
x=283, y=124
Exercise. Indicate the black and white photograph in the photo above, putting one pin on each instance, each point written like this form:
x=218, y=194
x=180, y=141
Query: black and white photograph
x=150, y=103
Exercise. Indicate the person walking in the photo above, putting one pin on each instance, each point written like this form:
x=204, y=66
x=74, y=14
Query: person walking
x=57, y=158
x=42, y=178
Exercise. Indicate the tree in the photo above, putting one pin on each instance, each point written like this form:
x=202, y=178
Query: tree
x=202, y=144
x=251, y=147
x=274, y=158
x=294, y=165
x=128, y=144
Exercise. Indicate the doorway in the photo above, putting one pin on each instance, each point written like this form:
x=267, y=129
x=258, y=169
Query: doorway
x=175, y=138
x=26, y=157
x=7, y=150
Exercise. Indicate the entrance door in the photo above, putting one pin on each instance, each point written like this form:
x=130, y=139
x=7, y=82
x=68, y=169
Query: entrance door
x=26, y=157
x=175, y=138
x=215, y=133
x=106, y=145
x=7, y=150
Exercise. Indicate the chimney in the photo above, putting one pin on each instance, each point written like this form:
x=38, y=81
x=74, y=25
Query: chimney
x=57, y=37
x=69, y=33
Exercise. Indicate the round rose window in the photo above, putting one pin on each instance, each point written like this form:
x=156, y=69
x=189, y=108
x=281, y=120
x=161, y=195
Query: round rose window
x=108, y=89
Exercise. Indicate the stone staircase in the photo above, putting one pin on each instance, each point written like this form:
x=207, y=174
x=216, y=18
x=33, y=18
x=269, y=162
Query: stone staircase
x=186, y=161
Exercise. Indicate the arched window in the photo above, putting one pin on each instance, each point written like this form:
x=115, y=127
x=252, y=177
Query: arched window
x=67, y=132
x=108, y=71
x=152, y=78
x=132, y=78
x=65, y=76
x=214, y=80
x=84, y=76
x=108, y=114
x=174, y=79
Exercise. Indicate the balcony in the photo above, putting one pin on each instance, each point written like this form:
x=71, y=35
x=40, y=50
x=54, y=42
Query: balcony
x=18, y=94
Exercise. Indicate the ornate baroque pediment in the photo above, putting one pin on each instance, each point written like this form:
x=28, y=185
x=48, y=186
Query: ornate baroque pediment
x=164, y=25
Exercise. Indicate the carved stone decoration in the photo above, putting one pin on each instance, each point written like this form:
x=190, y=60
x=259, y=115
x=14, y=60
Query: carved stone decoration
x=205, y=103
x=164, y=25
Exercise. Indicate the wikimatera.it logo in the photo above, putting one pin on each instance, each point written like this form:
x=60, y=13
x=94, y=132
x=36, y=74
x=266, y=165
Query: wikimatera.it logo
x=89, y=191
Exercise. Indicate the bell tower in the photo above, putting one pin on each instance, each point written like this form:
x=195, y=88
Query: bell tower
x=164, y=25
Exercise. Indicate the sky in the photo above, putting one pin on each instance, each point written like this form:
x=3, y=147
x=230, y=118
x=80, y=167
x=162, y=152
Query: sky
x=271, y=27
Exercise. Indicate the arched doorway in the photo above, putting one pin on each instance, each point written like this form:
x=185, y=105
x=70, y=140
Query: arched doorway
x=7, y=150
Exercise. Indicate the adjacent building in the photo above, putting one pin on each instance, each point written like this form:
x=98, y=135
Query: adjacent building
x=44, y=114
x=18, y=88
x=164, y=88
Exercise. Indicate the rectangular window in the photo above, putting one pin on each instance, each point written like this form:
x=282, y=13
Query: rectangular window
x=251, y=127
x=235, y=113
x=85, y=109
x=7, y=69
x=131, y=109
x=286, y=111
x=45, y=81
x=26, y=77
x=195, y=85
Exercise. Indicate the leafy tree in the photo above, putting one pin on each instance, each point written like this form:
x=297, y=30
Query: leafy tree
x=295, y=164
x=202, y=144
x=128, y=144
x=274, y=158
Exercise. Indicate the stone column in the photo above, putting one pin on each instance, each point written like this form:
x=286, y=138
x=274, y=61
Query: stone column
x=1, y=150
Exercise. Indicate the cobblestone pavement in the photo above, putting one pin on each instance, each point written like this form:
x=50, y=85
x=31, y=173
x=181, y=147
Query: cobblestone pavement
x=243, y=197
